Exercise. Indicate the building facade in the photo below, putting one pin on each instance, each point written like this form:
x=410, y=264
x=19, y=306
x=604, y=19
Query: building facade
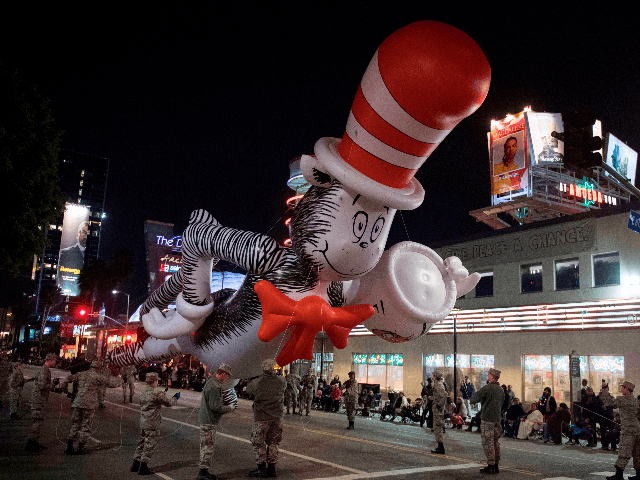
x=547, y=290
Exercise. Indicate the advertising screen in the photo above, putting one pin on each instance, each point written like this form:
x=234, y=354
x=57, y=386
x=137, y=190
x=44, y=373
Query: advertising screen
x=621, y=158
x=509, y=154
x=164, y=254
x=75, y=229
x=545, y=149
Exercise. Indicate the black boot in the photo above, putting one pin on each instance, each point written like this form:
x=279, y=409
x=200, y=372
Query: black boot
x=69, y=448
x=636, y=476
x=135, y=467
x=351, y=426
x=288, y=412
x=260, y=472
x=32, y=446
x=439, y=449
x=271, y=470
x=496, y=468
x=203, y=474
x=618, y=475
x=81, y=450
x=144, y=469
x=490, y=469
x=14, y=416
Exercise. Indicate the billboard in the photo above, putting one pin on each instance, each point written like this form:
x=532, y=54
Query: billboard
x=546, y=150
x=73, y=244
x=508, y=148
x=621, y=158
x=164, y=252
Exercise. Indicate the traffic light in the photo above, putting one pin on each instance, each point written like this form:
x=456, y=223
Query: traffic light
x=579, y=141
x=82, y=313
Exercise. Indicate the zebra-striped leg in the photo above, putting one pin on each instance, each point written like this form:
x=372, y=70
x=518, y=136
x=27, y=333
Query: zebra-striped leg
x=185, y=319
x=131, y=354
x=163, y=296
x=198, y=258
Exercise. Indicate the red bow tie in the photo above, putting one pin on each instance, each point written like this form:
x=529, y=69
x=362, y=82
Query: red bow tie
x=307, y=317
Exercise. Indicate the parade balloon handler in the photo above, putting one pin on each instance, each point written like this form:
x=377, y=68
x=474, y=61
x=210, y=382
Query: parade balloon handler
x=212, y=408
x=151, y=400
x=421, y=82
x=491, y=398
x=16, y=384
x=350, y=391
x=39, y=396
x=438, y=399
x=629, y=429
x=85, y=403
x=268, y=390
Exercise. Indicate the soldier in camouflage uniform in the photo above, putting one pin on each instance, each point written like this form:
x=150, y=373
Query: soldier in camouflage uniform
x=85, y=403
x=438, y=399
x=39, y=395
x=212, y=408
x=102, y=391
x=350, y=392
x=629, y=429
x=268, y=390
x=291, y=392
x=15, y=389
x=151, y=400
x=491, y=397
x=308, y=391
x=128, y=380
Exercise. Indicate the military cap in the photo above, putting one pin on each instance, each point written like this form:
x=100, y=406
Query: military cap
x=151, y=377
x=224, y=368
x=96, y=363
x=437, y=374
x=629, y=385
x=351, y=373
x=268, y=364
x=495, y=373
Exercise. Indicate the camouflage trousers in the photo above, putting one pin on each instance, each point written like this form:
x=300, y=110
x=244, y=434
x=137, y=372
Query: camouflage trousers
x=14, y=399
x=131, y=390
x=146, y=444
x=102, y=392
x=350, y=406
x=290, y=399
x=305, y=400
x=207, y=440
x=438, y=423
x=629, y=447
x=490, y=433
x=265, y=438
x=37, y=419
x=4, y=389
x=81, y=424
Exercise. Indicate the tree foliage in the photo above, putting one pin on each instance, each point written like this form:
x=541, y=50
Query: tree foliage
x=29, y=145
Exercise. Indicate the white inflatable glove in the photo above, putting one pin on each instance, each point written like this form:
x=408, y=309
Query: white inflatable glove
x=185, y=319
x=410, y=289
x=454, y=269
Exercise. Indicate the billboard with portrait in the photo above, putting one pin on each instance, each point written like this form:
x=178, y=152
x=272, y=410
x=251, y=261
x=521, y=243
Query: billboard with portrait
x=509, y=154
x=73, y=244
x=621, y=158
x=545, y=149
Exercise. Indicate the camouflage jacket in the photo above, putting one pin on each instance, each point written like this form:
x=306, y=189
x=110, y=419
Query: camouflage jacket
x=151, y=400
x=309, y=383
x=293, y=382
x=628, y=408
x=439, y=395
x=17, y=380
x=89, y=383
x=41, y=387
x=350, y=388
x=127, y=374
x=5, y=371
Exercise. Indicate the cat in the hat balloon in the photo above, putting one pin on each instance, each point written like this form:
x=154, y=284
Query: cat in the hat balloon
x=423, y=80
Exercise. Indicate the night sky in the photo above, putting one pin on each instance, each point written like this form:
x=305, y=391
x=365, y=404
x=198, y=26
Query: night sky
x=200, y=106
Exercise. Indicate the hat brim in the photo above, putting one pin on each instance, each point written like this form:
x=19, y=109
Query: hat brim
x=409, y=198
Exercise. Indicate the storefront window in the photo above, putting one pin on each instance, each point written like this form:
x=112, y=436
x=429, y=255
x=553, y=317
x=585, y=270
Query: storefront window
x=379, y=368
x=567, y=274
x=476, y=367
x=607, y=368
x=531, y=278
x=537, y=375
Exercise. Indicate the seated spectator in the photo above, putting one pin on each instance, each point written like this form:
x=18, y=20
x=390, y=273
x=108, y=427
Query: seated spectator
x=592, y=409
x=533, y=422
x=459, y=416
x=512, y=418
x=553, y=426
x=401, y=405
x=582, y=430
x=449, y=408
x=367, y=403
x=611, y=436
x=475, y=421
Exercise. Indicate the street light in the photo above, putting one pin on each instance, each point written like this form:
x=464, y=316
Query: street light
x=116, y=292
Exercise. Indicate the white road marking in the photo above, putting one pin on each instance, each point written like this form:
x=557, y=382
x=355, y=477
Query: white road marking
x=604, y=474
x=162, y=475
x=404, y=471
x=95, y=440
x=562, y=478
x=244, y=440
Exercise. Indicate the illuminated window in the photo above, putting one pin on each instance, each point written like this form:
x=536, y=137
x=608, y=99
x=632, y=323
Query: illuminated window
x=384, y=369
x=484, y=288
x=531, y=278
x=82, y=173
x=567, y=274
x=476, y=367
x=81, y=182
x=606, y=269
x=80, y=192
x=53, y=227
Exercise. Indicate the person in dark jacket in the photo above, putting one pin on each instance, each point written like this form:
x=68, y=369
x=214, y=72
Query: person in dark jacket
x=268, y=390
x=552, y=429
x=512, y=419
x=547, y=404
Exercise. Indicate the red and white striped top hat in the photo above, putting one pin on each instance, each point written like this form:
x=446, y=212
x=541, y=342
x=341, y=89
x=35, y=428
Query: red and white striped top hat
x=422, y=81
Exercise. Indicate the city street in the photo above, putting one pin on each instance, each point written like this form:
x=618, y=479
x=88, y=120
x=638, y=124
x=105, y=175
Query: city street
x=314, y=447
